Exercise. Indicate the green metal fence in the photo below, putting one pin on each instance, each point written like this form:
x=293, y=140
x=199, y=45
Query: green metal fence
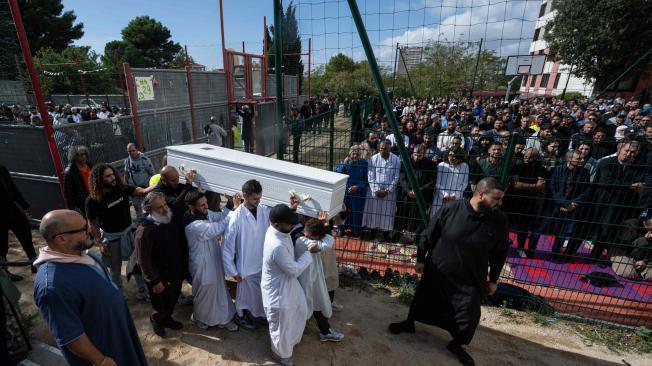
x=565, y=222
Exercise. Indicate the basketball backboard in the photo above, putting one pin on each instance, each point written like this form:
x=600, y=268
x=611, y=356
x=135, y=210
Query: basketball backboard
x=525, y=65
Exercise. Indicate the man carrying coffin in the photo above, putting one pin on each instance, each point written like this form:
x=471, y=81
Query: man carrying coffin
x=285, y=301
x=242, y=253
x=452, y=256
x=212, y=305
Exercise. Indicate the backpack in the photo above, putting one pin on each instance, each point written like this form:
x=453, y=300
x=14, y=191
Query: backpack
x=517, y=298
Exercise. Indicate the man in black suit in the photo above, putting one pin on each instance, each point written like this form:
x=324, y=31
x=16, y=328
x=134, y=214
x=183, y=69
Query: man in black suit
x=14, y=215
x=618, y=183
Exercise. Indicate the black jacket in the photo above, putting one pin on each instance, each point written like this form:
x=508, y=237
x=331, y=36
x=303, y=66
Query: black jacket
x=9, y=193
x=74, y=188
x=159, y=252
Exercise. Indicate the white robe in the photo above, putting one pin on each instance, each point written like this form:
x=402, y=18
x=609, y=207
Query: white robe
x=242, y=253
x=212, y=303
x=313, y=280
x=451, y=182
x=379, y=213
x=283, y=298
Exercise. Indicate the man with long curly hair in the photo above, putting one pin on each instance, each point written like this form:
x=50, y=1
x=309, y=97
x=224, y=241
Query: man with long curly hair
x=109, y=217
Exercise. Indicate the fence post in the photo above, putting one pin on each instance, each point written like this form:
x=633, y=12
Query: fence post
x=36, y=85
x=331, y=139
x=131, y=89
x=83, y=80
x=405, y=158
x=191, y=100
x=477, y=62
x=278, y=39
x=116, y=56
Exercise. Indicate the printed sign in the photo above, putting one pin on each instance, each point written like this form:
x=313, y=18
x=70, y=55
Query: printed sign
x=144, y=88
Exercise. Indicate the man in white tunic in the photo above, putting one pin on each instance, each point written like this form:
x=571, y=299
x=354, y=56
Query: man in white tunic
x=284, y=299
x=212, y=305
x=383, y=175
x=242, y=253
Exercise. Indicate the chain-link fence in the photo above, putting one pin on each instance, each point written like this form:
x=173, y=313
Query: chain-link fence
x=579, y=228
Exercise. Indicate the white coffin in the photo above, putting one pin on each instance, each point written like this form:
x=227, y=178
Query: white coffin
x=224, y=171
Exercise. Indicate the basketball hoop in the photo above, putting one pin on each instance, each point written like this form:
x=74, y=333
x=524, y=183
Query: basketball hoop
x=525, y=64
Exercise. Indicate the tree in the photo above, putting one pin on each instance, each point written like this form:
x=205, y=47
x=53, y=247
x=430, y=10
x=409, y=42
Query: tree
x=340, y=62
x=343, y=77
x=601, y=39
x=46, y=25
x=145, y=43
x=60, y=74
x=291, y=44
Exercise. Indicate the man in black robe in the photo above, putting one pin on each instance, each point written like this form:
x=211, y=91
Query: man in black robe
x=453, y=255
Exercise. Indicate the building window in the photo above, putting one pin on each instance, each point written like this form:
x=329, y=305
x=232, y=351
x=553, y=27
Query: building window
x=544, y=80
x=536, y=34
x=525, y=80
x=542, y=11
x=554, y=86
x=533, y=81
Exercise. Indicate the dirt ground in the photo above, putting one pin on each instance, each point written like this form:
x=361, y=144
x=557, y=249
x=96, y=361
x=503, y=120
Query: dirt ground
x=367, y=312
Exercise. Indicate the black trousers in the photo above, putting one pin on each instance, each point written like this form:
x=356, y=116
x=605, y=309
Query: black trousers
x=18, y=223
x=163, y=303
x=322, y=322
x=446, y=304
x=296, y=142
x=5, y=359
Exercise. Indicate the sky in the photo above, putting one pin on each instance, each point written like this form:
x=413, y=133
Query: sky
x=506, y=26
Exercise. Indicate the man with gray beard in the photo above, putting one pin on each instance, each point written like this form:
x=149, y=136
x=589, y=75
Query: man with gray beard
x=158, y=250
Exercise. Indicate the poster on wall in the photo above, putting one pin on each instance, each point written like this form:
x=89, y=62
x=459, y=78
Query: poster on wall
x=144, y=88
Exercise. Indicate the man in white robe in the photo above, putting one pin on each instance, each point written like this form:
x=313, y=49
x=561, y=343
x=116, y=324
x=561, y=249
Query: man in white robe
x=283, y=297
x=383, y=176
x=212, y=305
x=242, y=253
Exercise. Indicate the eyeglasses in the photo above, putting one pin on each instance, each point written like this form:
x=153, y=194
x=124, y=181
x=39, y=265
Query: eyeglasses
x=85, y=228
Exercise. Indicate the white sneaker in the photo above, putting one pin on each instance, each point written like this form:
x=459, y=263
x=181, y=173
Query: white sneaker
x=230, y=326
x=521, y=253
x=337, y=307
x=198, y=323
x=333, y=336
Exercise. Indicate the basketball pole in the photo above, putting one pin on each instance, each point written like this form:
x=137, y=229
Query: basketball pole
x=477, y=63
x=570, y=72
x=509, y=87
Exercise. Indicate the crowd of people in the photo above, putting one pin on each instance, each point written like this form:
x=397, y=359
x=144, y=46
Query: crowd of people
x=59, y=114
x=577, y=170
x=282, y=264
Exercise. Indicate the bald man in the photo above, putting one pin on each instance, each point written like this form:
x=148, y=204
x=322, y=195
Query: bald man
x=84, y=309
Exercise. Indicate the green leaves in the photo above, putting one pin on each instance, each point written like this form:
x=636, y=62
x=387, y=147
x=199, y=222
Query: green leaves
x=601, y=38
x=145, y=43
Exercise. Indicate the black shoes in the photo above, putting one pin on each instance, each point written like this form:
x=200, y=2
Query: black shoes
x=406, y=326
x=172, y=324
x=464, y=358
x=159, y=329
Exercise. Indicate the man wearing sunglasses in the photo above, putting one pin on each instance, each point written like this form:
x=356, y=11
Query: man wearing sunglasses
x=83, y=308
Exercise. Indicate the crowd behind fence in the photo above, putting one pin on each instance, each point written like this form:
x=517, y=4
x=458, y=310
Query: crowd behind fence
x=577, y=172
x=578, y=190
